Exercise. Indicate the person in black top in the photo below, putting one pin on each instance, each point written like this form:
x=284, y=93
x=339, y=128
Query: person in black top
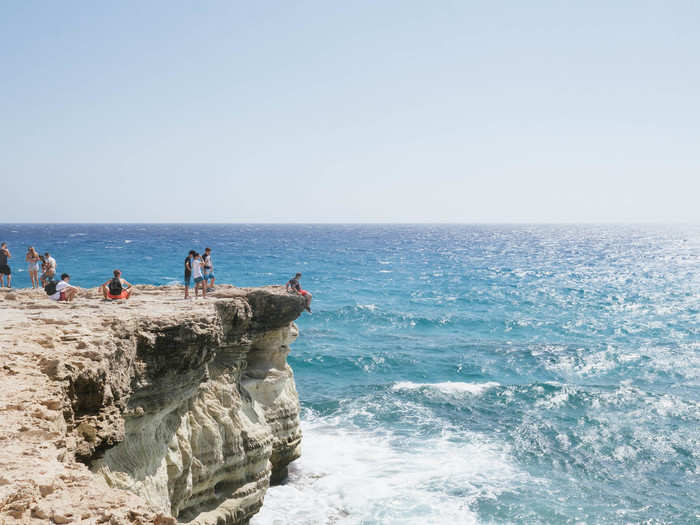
x=294, y=286
x=188, y=273
x=4, y=267
x=116, y=287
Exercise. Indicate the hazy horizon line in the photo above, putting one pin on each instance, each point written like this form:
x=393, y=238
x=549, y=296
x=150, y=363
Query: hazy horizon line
x=378, y=223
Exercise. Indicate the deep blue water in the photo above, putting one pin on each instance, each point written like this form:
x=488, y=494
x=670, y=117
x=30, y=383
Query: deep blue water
x=461, y=374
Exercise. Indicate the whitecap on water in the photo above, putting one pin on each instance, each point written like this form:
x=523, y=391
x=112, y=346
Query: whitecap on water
x=447, y=387
x=370, y=307
x=348, y=475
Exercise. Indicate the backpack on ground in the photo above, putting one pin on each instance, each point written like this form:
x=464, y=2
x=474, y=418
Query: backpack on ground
x=115, y=286
x=50, y=287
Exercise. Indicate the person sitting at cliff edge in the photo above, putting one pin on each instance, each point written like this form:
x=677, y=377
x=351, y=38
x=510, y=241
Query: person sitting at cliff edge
x=294, y=286
x=116, y=287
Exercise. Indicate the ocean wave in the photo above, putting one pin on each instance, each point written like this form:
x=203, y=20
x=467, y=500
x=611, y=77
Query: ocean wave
x=447, y=387
x=349, y=475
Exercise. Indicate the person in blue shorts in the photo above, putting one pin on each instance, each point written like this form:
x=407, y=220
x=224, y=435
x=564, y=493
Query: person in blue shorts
x=208, y=269
x=198, y=274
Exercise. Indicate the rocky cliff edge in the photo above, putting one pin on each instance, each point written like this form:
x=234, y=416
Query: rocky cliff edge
x=153, y=410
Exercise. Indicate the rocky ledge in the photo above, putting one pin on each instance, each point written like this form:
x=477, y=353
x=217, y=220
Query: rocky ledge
x=152, y=410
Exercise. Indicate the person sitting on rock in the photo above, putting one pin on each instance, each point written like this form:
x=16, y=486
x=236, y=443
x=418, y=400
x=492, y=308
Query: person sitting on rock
x=116, y=287
x=62, y=291
x=295, y=287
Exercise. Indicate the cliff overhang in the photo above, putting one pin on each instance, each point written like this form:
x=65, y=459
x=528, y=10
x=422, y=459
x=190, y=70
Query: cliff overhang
x=150, y=410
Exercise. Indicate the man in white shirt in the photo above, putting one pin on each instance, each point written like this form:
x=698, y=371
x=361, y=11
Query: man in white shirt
x=198, y=274
x=50, y=269
x=64, y=291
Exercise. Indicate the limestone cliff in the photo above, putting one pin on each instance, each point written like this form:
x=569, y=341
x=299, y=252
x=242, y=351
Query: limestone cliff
x=181, y=410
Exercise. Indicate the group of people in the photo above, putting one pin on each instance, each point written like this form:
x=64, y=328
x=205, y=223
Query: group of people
x=42, y=268
x=201, y=267
x=42, y=271
x=112, y=289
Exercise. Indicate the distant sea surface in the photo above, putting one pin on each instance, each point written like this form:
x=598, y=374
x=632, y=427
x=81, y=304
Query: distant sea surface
x=460, y=374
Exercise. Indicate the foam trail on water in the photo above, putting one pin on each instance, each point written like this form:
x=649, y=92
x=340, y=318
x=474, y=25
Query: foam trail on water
x=349, y=475
x=447, y=387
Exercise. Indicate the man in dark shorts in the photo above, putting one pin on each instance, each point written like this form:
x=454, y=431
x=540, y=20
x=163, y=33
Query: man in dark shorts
x=295, y=287
x=4, y=267
x=188, y=273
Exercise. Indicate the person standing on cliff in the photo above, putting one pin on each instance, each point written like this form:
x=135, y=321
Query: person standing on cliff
x=188, y=273
x=198, y=274
x=4, y=267
x=294, y=285
x=208, y=270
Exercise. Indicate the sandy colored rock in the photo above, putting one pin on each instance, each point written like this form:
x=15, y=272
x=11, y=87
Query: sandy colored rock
x=147, y=410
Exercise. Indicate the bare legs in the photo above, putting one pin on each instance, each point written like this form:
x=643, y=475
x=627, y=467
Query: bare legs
x=308, y=296
x=105, y=292
x=34, y=276
x=201, y=284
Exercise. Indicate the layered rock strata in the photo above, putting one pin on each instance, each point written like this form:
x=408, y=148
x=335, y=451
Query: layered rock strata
x=151, y=410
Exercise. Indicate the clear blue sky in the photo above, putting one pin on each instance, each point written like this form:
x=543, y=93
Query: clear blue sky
x=350, y=111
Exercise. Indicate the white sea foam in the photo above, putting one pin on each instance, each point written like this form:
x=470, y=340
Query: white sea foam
x=370, y=307
x=447, y=387
x=351, y=476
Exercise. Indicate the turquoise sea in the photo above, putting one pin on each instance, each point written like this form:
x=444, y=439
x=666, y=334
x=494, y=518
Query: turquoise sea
x=456, y=373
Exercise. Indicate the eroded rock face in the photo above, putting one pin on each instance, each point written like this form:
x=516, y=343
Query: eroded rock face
x=189, y=408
